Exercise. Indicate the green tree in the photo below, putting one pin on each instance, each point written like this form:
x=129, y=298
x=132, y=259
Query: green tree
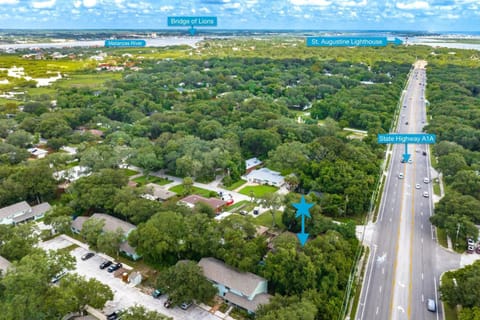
x=465, y=289
x=185, y=282
x=17, y=241
x=20, y=138
x=273, y=201
x=469, y=314
x=187, y=184
x=59, y=217
x=138, y=312
x=91, y=231
x=109, y=241
x=286, y=308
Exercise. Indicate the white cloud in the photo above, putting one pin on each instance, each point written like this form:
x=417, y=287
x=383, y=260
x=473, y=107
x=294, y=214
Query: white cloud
x=352, y=3
x=75, y=11
x=89, y=3
x=166, y=8
x=43, y=4
x=77, y=3
x=451, y=16
x=234, y=5
x=8, y=1
x=204, y=9
x=310, y=2
x=413, y=5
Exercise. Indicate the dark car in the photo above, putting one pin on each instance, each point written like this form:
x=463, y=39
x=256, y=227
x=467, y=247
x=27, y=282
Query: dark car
x=88, y=255
x=105, y=264
x=114, y=267
x=185, y=305
x=406, y=123
x=58, y=276
x=157, y=293
x=477, y=250
x=424, y=153
x=168, y=303
x=115, y=315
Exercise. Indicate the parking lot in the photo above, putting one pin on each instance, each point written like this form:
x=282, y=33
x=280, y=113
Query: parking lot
x=125, y=295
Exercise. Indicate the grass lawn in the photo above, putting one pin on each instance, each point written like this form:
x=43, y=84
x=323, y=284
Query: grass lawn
x=442, y=237
x=151, y=179
x=236, y=185
x=357, y=285
x=258, y=191
x=129, y=172
x=242, y=205
x=450, y=313
x=265, y=219
x=436, y=188
x=198, y=191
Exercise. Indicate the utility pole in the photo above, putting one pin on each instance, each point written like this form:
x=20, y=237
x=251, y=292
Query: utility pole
x=458, y=230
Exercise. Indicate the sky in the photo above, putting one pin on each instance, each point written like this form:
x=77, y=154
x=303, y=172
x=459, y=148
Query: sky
x=421, y=15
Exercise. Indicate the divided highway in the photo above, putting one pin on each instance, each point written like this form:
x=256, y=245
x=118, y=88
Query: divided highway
x=402, y=270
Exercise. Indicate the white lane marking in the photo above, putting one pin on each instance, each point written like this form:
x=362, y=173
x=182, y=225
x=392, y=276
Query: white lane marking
x=422, y=275
x=422, y=240
x=421, y=226
x=421, y=213
x=383, y=270
x=436, y=294
x=369, y=279
x=376, y=312
x=380, y=289
x=423, y=298
x=401, y=284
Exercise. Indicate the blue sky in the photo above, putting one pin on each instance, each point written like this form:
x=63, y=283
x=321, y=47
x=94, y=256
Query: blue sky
x=427, y=15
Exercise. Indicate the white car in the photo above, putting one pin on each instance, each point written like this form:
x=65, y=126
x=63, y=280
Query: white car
x=426, y=180
x=425, y=194
x=417, y=186
x=400, y=176
x=410, y=160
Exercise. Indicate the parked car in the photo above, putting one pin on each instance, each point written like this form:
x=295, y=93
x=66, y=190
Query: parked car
x=229, y=202
x=243, y=212
x=185, y=305
x=115, y=315
x=470, y=242
x=478, y=250
x=105, y=264
x=167, y=303
x=88, y=255
x=157, y=293
x=114, y=267
x=58, y=276
x=256, y=211
x=470, y=249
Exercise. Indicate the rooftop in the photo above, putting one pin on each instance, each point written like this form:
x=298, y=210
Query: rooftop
x=212, y=202
x=250, y=163
x=111, y=223
x=219, y=272
x=265, y=174
x=159, y=192
x=14, y=208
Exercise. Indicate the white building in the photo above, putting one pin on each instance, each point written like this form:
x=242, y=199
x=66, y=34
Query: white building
x=22, y=212
x=72, y=174
x=265, y=176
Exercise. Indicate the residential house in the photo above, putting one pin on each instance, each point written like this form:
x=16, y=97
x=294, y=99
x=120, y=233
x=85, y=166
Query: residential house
x=265, y=176
x=111, y=225
x=251, y=164
x=216, y=204
x=72, y=174
x=38, y=153
x=243, y=289
x=22, y=212
x=159, y=193
x=4, y=265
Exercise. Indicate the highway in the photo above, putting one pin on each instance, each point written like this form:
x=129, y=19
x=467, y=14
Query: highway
x=403, y=269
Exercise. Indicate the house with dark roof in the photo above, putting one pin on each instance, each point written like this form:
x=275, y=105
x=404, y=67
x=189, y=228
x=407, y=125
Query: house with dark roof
x=23, y=212
x=111, y=225
x=216, y=204
x=243, y=289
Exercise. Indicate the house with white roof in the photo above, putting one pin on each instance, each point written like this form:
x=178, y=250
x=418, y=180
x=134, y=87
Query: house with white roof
x=265, y=176
x=243, y=289
x=38, y=153
x=251, y=164
x=72, y=174
x=23, y=212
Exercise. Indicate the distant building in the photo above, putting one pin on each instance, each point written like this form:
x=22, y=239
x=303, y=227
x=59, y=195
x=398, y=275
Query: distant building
x=265, y=176
x=38, y=153
x=111, y=225
x=243, y=289
x=23, y=212
x=251, y=164
x=216, y=204
x=72, y=174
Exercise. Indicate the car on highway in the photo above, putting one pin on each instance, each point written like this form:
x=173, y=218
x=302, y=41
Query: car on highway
x=400, y=176
x=417, y=186
x=88, y=255
x=425, y=194
x=410, y=160
x=424, y=153
x=105, y=264
x=114, y=267
x=406, y=123
x=426, y=180
x=431, y=305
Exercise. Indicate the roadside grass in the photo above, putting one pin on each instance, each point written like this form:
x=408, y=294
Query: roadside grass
x=442, y=237
x=180, y=190
x=433, y=160
x=236, y=184
x=357, y=289
x=129, y=172
x=450, y=312
x=265, y=219
x=358, y=219
x=142, y=180
x=436, y=187
x=258, y=191
x=378, y=199
x=237, y=205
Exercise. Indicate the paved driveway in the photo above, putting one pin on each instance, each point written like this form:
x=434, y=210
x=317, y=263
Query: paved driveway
x=124, y=295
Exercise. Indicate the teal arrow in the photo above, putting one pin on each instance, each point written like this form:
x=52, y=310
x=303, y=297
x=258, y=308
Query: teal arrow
x=303, y=211
x=192, y=31
x=406, y=155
